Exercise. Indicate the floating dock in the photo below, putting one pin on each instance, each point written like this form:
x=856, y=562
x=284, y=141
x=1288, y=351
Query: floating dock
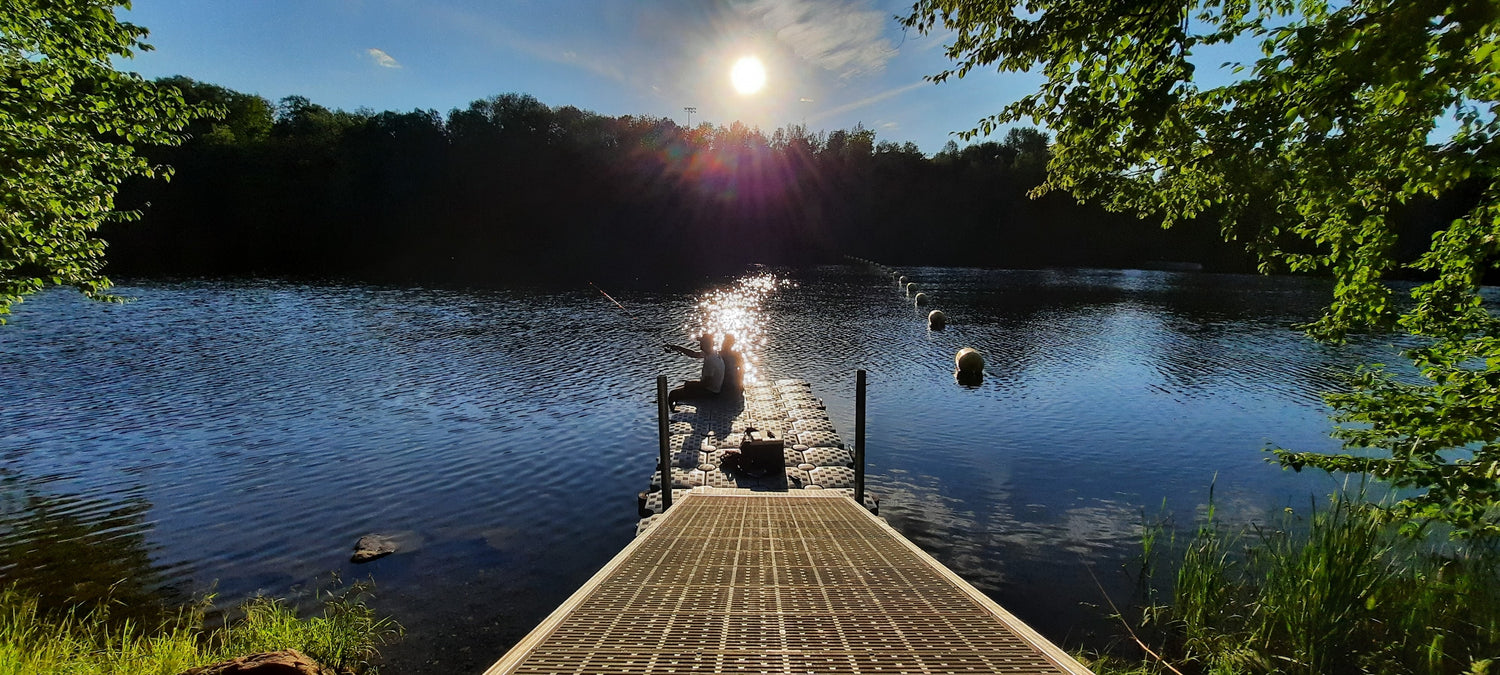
x=767, y=564
x=730, y=580
x=702, y=436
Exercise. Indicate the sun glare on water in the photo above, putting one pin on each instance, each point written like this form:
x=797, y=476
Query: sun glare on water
x=748, y=75
x=738, y=310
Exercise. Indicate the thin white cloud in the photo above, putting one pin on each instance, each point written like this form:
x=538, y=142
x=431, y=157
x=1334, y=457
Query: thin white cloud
x=868, y=100
x=596, y=65
x=846, y=37
x=506, y=37
x=927, y=42
x=382, y=59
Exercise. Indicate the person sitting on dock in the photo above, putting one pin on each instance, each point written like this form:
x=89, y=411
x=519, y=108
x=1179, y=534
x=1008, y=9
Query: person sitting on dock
x=734, y=365
x=709, y=382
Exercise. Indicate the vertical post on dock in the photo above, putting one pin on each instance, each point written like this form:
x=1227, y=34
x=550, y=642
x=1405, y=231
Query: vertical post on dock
x=665, y=461
x=859, y=436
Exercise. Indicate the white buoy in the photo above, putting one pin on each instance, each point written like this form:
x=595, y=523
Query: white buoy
x=937, y=319
x=970, y=361
x=920, y=300
x=902, y=280
x=911, y=288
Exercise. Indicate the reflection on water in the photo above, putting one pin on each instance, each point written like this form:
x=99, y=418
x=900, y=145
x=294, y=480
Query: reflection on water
x=68, y=550
x=736, y=310
x=248, y=433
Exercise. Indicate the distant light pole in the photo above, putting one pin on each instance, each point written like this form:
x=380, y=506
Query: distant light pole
x=690, y=110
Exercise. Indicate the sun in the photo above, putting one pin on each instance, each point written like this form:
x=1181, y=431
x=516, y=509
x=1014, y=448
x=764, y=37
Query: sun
x=748, y=75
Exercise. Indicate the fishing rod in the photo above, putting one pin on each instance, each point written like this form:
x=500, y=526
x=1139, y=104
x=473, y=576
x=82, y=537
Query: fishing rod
x=612, y=299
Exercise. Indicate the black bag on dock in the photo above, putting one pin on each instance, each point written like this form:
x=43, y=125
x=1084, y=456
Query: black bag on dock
x=761, y=454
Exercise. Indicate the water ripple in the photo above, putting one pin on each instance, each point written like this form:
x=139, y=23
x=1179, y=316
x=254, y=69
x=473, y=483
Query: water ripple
x=241, y=435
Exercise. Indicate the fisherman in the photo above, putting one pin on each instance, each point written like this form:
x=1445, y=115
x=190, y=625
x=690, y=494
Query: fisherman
x=734, y=365
x=709, y=382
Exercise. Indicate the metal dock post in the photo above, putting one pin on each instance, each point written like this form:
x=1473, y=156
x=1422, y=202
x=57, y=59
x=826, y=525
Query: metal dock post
x=665, y=458
x=859, y=436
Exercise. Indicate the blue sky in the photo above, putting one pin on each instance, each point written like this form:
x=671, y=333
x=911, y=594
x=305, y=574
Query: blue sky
x=830, y=63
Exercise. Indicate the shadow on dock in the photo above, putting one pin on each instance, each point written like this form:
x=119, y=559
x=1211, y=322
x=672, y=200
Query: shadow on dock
x=773, y=437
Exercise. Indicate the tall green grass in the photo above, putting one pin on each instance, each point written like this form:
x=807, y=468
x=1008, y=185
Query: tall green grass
x=1341, y=592
x=85, y=641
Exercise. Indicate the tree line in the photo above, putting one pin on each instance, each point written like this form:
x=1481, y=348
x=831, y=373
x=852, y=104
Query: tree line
x=509, y=188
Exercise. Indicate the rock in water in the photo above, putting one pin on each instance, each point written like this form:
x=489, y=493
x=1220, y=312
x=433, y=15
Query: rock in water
x=372, y=546
x=285, y=662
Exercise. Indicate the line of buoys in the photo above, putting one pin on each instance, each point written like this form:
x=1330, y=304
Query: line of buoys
x=936, y=319
x=968, y=364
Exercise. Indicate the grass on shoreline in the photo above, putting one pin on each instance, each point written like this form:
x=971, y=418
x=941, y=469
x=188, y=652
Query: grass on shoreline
x=1345, y=593
x=84, y=641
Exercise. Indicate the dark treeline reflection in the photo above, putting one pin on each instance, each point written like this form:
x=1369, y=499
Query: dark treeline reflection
x=69, y=551
x=509, y=188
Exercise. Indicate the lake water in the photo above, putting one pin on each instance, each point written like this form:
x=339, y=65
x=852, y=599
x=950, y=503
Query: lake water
x=239, y=436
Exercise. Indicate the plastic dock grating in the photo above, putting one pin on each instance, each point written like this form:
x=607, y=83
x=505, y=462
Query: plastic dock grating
x=734, y=581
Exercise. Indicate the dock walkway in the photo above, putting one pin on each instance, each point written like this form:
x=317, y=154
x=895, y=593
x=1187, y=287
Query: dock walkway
x=731, y=580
